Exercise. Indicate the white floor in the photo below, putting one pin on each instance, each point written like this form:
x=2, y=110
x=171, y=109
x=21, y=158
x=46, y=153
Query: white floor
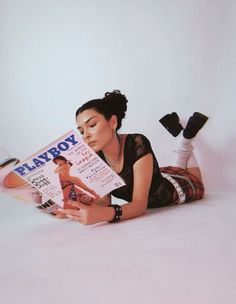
x=184, y=254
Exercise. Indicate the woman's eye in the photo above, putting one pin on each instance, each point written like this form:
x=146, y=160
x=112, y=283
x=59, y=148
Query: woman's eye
x=93, y=125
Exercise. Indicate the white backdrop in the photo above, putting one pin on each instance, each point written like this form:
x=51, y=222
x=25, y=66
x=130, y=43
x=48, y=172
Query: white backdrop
x=164, y=55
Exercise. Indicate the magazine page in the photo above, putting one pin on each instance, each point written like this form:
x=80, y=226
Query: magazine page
x=13, y=185
x=68, y=169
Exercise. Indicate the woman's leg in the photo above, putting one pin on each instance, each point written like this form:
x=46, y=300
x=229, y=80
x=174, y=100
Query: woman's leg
x=185, y=158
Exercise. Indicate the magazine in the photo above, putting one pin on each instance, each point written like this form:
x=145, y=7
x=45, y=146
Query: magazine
x=65, y=170
x=19, y=189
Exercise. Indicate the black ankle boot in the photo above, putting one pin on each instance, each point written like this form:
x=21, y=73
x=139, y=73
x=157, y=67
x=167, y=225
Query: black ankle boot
x=194, y=124
x=172, y=123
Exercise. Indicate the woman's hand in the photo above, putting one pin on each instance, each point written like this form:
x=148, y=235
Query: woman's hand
x=96, y=196
x=88, y=214
x=60, y=215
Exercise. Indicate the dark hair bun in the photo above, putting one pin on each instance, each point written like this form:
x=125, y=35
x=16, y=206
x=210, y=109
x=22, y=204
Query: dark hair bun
x=117, y=103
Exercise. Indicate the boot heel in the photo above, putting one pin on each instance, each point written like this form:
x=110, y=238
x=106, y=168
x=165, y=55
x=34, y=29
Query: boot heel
x=194, y=124
x=172, y=123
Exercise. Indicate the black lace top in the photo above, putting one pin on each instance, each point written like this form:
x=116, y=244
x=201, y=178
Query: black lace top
x=161, y=190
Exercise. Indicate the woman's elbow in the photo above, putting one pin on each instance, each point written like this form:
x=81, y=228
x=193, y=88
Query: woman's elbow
x=141, y=207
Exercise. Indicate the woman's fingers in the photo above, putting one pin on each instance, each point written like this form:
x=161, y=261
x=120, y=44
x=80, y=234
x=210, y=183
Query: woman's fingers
x=70, y=212
x=73, y=204
x=74, y=218
x=77, y=204
x=81, y=214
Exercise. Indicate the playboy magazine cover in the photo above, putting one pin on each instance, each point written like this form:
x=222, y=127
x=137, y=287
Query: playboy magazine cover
x=65, y=170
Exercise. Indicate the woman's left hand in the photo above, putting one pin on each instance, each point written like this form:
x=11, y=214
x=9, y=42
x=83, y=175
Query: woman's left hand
x=85, y=214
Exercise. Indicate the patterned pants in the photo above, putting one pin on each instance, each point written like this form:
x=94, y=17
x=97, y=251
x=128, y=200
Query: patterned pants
x=189, y=183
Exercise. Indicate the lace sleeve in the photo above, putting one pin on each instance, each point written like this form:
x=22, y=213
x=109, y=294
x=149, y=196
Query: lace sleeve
x=142, y=146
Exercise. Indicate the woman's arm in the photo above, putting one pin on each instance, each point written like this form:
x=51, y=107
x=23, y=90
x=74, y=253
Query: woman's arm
x=78, y=182
x=104, y=201
x=64, y=170
x=143, y=170
x=92, y=214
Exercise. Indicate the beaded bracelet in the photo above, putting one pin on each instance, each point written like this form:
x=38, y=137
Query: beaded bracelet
x=118, y=214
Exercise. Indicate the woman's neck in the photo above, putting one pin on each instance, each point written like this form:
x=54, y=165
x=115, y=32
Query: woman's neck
x=113, y=153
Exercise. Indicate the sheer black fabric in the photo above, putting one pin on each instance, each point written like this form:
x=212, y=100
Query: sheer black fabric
x=161, y=190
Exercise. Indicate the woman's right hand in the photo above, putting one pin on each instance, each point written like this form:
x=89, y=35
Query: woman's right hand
x=60, y=215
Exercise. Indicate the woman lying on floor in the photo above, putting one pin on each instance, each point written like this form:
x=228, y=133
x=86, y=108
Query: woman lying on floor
x=131, y=156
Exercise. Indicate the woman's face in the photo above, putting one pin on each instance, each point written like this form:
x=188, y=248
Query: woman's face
x=95, y=129
x=60, y=162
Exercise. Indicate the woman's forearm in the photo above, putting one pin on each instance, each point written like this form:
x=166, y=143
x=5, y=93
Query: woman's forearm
x=132, y=210
x=129, y=210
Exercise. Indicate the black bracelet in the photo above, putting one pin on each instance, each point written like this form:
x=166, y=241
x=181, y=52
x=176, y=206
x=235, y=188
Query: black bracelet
x=118, y=214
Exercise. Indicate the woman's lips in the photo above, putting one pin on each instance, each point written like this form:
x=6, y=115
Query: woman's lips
x=92, y=143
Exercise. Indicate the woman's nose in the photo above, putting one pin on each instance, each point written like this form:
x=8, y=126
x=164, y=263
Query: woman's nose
x=86, y=134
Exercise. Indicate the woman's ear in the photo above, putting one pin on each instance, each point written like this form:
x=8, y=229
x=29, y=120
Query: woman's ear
x=113, y=122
